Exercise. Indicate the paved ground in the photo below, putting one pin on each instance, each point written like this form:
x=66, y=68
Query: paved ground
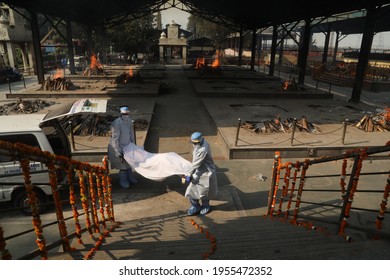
x=244, y=183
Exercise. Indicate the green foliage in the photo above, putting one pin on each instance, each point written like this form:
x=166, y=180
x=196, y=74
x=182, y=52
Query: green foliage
x=134, y=36
x=204, y=28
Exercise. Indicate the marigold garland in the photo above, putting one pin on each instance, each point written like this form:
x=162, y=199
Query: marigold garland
x=382, y=208
x=36, y=222
x=209, y=236
x=300, y=190
x=5, y=254
x=98, y=243
x=58, y=204
x=84, y=200
x=343, y=176
x=286, y=184
x=72, y=201
x=293, y=184
x=363, y=155
x=92, y=194
x=101, y=199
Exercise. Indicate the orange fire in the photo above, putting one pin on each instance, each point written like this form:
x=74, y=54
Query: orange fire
x=285, y=85
x=95, y=62
x=387, y=114
x=131, y=72
x=59, y=74
x=200, y=62
x=216, y=62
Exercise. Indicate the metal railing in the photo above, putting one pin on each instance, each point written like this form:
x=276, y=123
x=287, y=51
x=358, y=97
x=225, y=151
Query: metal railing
x=93, y=193
x=292, y=183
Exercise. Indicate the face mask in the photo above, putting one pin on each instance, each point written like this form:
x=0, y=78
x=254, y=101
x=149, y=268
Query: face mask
x=125, y=117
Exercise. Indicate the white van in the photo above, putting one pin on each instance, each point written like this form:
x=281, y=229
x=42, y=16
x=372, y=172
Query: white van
x=45, y=132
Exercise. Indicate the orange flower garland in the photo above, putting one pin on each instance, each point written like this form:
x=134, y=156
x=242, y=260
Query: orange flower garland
x=58, y=204
x=72, y=201
x=84, y=200
x=92, y=194
x=37, y=223
x=363, y=155
x=212, y=238
x=5, y=254
x=286, y=183
x=300, y=190
x=343, y=175
x=383, y=205
x=106, y=196
x=101, y=199
x=293, y=183
x=109, y=186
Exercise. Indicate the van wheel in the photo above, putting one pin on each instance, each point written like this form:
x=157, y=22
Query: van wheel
x=21, y=201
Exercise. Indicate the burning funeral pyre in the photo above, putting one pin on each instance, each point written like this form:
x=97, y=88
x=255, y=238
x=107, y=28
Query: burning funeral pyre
x=379, y=122
x=290, y=85
x=58, y=82
x=130, y=77
x=278, y=125
x=24, y=106
x=213, y=69
x=95, y=68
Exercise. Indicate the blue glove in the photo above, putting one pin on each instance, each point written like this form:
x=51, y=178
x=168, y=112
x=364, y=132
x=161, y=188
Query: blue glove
x=188, y=179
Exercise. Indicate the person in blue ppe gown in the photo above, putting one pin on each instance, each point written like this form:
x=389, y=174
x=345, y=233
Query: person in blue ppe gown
x=121, y=135
x=201, y=176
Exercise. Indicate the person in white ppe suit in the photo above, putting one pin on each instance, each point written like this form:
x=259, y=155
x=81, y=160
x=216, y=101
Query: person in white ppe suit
x=121, y=135
x=201, y=176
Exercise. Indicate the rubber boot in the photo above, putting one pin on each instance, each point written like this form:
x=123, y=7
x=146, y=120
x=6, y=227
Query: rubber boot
x=123, y=179
x=130, y=177
x=205, y=207
x=195, y=207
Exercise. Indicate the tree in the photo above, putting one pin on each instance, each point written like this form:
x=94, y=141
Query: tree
x=201, y=27
x=134, y=36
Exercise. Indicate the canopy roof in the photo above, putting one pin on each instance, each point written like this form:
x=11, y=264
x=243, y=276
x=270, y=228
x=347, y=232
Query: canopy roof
x=246, y=13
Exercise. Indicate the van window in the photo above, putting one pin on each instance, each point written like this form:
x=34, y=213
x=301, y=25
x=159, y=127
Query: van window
x=28, y=139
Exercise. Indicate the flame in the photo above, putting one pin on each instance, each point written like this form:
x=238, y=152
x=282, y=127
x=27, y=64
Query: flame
x=285, y=85
x=200, y=62
x=59, y=74
x=216, y=62
x=131, y=72
x=387, y=114
x=95, y=62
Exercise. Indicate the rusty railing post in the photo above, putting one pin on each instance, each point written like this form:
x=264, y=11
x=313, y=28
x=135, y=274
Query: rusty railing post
x=344, y=131
x=293, y=132
x=72, y=135
x=346, y=196
x=273, y=183
x=238, y=131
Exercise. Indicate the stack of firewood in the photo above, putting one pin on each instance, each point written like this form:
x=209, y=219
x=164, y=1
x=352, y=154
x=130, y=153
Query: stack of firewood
x=277, y=125
x=94, y=71
x=59, y=83
x=93, y=124
x=371, y=123
x=126, y=78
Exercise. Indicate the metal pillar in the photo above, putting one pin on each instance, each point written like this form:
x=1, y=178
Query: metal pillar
x=273, y=50
x=326, y=46
x=365, y=49
x=240, y=48
x=303, y=52
x=69, y=41
x=336, y=46
x=254, y=43
x=37, y=47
